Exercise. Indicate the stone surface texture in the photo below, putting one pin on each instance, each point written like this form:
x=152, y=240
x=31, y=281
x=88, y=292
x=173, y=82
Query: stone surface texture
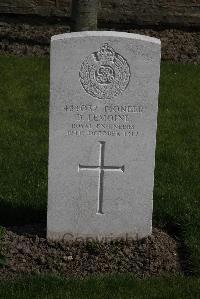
x=59, y=8
x=102, y=138
x=147, y=12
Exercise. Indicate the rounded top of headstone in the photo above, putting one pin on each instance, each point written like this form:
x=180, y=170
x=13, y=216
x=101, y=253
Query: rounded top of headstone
x=106, y=34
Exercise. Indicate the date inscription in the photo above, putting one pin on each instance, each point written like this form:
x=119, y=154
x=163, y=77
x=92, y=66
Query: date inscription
x=105, y=120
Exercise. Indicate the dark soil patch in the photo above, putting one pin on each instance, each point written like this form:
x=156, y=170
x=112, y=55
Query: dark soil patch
x=25, y=39
x=28, y=252
x=33, y=40
x=177, y=45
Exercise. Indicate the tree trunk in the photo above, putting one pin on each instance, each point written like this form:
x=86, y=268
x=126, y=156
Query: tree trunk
x=84, y=15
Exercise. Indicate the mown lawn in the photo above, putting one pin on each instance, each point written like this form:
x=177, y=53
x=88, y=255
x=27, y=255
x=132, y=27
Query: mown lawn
x=24, y=97
x=107, y=287
x=24, y=92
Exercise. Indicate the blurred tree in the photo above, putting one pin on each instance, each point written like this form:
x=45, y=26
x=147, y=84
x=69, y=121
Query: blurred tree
x=84, y=15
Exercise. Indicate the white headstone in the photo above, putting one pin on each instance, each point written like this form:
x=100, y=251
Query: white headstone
x=103, y=117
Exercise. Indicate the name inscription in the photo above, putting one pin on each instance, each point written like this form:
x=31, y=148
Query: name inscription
x=106, y=120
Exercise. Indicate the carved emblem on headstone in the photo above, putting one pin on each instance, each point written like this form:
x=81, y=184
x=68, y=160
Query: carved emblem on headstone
x=104, y=74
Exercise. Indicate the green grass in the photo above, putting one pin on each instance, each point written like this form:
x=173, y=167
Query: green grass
x=107, y=287
x=177, y=188
x=24, y=92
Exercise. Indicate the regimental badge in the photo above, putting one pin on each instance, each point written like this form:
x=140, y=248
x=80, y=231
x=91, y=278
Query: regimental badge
x=104, y=74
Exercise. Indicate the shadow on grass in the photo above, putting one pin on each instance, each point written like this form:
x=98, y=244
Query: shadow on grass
x=19, y=215
x=175, y=231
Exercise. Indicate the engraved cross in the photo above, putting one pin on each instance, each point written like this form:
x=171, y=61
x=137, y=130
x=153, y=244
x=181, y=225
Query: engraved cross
x=101, y=168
